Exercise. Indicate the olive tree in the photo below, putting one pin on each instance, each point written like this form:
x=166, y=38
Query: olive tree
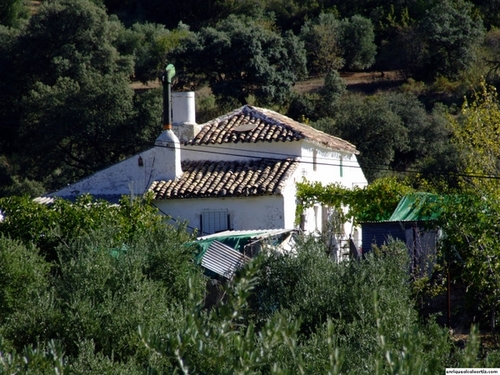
x=334, y=44
x=357, y=40
x=322, y=40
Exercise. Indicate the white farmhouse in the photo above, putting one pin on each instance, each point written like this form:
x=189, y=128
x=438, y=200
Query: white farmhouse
x=236, y=172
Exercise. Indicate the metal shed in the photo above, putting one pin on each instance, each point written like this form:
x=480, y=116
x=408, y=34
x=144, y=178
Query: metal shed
x=412, y=222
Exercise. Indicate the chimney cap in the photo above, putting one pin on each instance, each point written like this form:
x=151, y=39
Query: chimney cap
x=170, y=69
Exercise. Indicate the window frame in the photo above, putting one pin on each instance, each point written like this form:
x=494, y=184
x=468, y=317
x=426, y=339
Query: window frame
x=214, y=221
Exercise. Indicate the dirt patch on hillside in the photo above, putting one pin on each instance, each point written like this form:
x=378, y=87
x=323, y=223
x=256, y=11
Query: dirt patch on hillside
x=136, y=85
x=34, y=5
x=367, y=82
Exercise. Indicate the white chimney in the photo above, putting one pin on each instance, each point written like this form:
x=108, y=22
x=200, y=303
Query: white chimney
x=166, y=163
x=167, y=157
x=184, y=115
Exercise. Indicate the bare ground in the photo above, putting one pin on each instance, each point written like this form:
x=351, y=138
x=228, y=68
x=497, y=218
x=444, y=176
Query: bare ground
x=358, y=81
x=33, y=6
x=315, y=83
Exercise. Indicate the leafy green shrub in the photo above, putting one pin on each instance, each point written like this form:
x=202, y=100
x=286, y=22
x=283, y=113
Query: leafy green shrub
x=48, y=226
x=125, y=297
x=304, y=313
x=26, y=302
x=108, y=290
x=345, y=306
x=23, y=274
x=226, y=341
x=115, y=268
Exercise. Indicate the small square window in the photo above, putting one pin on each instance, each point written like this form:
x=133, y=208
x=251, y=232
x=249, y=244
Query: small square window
x=213, y=221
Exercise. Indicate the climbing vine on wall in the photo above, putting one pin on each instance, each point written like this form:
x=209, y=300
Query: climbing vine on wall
x=373, y=202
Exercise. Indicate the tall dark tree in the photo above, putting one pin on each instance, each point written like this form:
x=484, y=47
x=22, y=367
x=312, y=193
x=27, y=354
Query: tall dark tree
x=394, y=134
x=70, y=89
x=242, y=57
x=429, y=150
x=452, y=32
x=13, y=12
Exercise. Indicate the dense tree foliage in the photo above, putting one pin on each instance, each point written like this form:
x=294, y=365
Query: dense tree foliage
x=468, y=208
x=451, y=34
x=240, y=57
x=12, y=12
x=123, y=296
x=149, y=43
x=393, y=132
x=321, y=38
x=476, y=132
x=388, y=20
x=357, y=42
x=332, y=44
x=68, y=106
x=83, y=267
x=471, y=216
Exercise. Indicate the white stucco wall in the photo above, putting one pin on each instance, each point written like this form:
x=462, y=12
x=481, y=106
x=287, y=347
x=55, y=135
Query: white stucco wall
x=326, y=166
x=127, y=176
x=263, y=212
x=242, y=151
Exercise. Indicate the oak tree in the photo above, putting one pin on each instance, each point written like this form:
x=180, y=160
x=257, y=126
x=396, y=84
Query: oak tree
x=71, y=108
x=240, y=57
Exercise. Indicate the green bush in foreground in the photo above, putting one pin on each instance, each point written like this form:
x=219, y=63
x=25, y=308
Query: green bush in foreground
x=121, y=296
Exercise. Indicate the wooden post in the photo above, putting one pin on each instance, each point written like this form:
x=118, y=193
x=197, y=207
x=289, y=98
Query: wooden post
x=449, y=297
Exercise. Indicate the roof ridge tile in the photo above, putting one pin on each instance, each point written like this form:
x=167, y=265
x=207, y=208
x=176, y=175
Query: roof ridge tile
x=271, y=127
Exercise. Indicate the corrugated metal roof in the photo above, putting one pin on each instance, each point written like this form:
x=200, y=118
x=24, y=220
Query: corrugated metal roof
x=44, y=200
x=49, y=199
x=251, y=233
x=223, y=260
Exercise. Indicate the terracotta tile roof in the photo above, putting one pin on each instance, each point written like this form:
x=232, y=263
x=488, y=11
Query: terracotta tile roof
x=252, y=124
x=203, y=179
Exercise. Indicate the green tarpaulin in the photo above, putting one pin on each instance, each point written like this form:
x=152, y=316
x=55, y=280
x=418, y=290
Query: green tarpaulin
x=417, y=207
